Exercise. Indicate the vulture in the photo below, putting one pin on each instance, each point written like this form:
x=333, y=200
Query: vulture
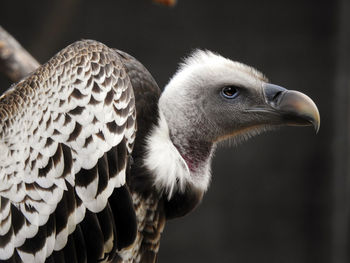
x=95, y=159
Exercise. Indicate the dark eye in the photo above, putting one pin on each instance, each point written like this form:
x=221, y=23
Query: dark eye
x=230, y=92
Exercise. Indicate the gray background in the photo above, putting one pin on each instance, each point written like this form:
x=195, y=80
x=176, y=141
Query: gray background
x=280, y=197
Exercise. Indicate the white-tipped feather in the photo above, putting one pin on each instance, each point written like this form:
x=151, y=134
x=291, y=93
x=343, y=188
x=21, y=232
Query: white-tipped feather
x=26, y=257
x=79, y=213
x=5, y=225
x=71, y=223
x=61, y=239
x=31, y=229
x=88, y=192
x=20, y=236
x=5, y=210
x=40, y=256
x=7, y=250
x=50, y=243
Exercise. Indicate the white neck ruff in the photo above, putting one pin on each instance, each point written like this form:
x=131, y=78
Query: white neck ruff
x=170, y=170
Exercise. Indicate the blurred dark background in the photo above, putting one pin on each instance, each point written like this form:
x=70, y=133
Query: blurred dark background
x=280, y=197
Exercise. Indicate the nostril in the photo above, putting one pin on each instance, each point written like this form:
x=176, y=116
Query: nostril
x=272, y=92
x=275, y=97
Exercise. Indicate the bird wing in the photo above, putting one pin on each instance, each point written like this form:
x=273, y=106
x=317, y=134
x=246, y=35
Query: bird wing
x=147, y=202
x=66, y=133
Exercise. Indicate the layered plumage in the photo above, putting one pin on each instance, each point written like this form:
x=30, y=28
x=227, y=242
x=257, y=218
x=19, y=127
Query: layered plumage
x=94, y=161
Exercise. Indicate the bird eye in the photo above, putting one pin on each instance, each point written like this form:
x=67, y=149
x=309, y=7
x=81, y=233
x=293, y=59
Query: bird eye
x=230, y=92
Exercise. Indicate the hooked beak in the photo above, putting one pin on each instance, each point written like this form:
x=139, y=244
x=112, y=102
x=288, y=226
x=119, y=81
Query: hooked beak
x=292, y=107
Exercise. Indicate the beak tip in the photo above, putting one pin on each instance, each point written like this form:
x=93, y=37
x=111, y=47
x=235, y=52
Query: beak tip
x=316, y=127
x=302, y=107
x=315, y=119
x=317, y=124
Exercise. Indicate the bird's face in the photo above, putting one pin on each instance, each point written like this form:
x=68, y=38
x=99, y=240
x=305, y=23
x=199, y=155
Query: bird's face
x=240, y=103
x=232, y=100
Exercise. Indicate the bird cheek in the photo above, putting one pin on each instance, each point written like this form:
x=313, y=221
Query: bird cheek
x=240, y=134
x=225, y=129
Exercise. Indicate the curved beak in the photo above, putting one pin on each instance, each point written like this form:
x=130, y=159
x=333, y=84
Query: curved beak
x=289, y=106
x=293, y=106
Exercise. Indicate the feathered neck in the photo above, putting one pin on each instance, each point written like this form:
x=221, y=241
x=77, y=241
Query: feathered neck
x=194, y=151
x=175, y=163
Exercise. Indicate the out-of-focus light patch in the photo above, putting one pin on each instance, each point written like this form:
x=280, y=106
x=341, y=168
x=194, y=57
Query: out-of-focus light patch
x=166, y=2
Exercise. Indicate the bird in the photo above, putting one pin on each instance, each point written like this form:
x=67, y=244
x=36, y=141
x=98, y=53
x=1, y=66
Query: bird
x=95, y=158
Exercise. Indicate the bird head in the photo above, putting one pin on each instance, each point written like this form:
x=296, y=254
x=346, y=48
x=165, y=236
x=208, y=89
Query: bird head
x=216, y=98
x=212, y=99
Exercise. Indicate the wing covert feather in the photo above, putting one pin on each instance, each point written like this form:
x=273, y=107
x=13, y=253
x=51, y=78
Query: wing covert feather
x=57, y=128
